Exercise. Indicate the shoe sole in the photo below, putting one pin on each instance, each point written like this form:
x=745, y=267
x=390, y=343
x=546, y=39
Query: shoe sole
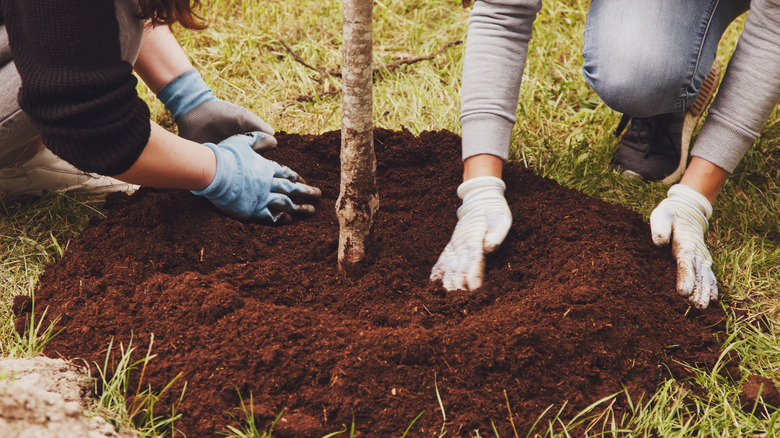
x=630, y=174
x=692, y=117
x=94, y=193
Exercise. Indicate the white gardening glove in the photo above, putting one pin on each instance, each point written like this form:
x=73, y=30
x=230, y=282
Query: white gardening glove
x=483, y=223
x=683, y=216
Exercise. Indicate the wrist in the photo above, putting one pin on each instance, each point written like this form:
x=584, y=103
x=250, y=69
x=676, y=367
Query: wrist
x=481, y=185
x=691, y=197
x=704, y=177
x=482, y=165
x=214, y=177
x=185, y=93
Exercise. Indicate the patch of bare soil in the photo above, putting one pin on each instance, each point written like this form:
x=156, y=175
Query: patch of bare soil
x=578, y=303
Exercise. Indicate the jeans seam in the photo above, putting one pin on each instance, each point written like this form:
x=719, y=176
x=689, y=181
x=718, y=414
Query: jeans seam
x=698, y=54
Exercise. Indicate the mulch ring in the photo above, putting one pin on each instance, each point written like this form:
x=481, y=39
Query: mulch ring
x=578, y=304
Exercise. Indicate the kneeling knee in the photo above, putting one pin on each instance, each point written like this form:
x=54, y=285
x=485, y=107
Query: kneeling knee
x=639, y=92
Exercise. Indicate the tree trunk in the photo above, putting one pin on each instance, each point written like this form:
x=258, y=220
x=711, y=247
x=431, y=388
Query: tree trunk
x=358, y=198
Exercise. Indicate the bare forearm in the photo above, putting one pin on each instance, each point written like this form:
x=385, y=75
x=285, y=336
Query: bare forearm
x=704, y=177
x=482, y=165
x=171, y=162
x=161, y=58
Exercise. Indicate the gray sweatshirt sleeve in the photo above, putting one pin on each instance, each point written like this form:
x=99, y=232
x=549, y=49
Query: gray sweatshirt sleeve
x=749, y=91
x=496, y=48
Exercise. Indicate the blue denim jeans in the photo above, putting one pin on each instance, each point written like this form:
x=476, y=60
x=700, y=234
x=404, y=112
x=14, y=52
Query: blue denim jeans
x=650, y=57
x=16, y=128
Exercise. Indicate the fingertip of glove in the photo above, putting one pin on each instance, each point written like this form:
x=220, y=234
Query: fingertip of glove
x=710, y=288
x=264, y=142
x=474, y=283
x=701, y=301
x=493, y=240
x=684, y=287
x=454, y=282
x=305, y=209
x=282, y=219
x=491, y=246
x=265, y=127
x=660, y=228
x=660, y=239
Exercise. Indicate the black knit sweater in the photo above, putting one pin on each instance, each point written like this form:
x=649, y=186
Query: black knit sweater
x=76, y=88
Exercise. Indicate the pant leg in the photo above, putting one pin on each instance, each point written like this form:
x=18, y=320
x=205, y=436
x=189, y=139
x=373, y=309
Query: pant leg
x=645, y=58
x=16, y=128
x=5, y=48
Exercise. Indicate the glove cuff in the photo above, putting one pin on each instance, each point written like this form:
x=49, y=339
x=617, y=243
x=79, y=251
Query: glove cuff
x=480, y=184
x=222, y=176
x=692, y=197
x=185, y=93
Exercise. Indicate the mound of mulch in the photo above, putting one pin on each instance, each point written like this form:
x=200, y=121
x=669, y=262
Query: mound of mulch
x=760, y=393
x=578, y=304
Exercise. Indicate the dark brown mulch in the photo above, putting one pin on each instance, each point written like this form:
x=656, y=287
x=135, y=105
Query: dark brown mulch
x=761, y=394
x=578, y=304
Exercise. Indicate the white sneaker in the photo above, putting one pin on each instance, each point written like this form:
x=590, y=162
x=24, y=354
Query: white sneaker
x=46, y=172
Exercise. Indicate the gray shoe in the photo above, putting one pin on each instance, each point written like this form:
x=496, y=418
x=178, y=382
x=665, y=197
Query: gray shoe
x=658, y=148
x=46, y=172
x=650, y=148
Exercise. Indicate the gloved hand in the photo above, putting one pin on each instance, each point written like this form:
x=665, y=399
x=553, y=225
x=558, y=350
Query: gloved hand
x=683, y=216
x=483, y=223
x=247, y=185
x=203, y=118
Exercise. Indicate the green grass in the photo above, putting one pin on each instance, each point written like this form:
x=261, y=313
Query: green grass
x=563, y=132
x=32, y=235
x=113, y=387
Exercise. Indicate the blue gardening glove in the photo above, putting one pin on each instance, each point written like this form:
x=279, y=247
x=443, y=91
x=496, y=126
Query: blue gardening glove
x=247, y=185
x=683, y=216
x=203, y=118
x=483, y=223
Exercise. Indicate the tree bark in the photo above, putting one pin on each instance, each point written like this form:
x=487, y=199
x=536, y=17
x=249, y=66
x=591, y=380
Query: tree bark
x=358, y=198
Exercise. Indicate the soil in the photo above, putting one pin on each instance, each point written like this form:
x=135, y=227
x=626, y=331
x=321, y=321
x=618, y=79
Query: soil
x=761, y=394
x=577, y=305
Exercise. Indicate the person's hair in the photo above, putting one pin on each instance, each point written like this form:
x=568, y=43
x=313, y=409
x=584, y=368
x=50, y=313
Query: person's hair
x=172, y=11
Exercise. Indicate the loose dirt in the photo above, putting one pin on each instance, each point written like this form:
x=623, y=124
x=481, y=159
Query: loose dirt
x=578, y=304
x=760, y=394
